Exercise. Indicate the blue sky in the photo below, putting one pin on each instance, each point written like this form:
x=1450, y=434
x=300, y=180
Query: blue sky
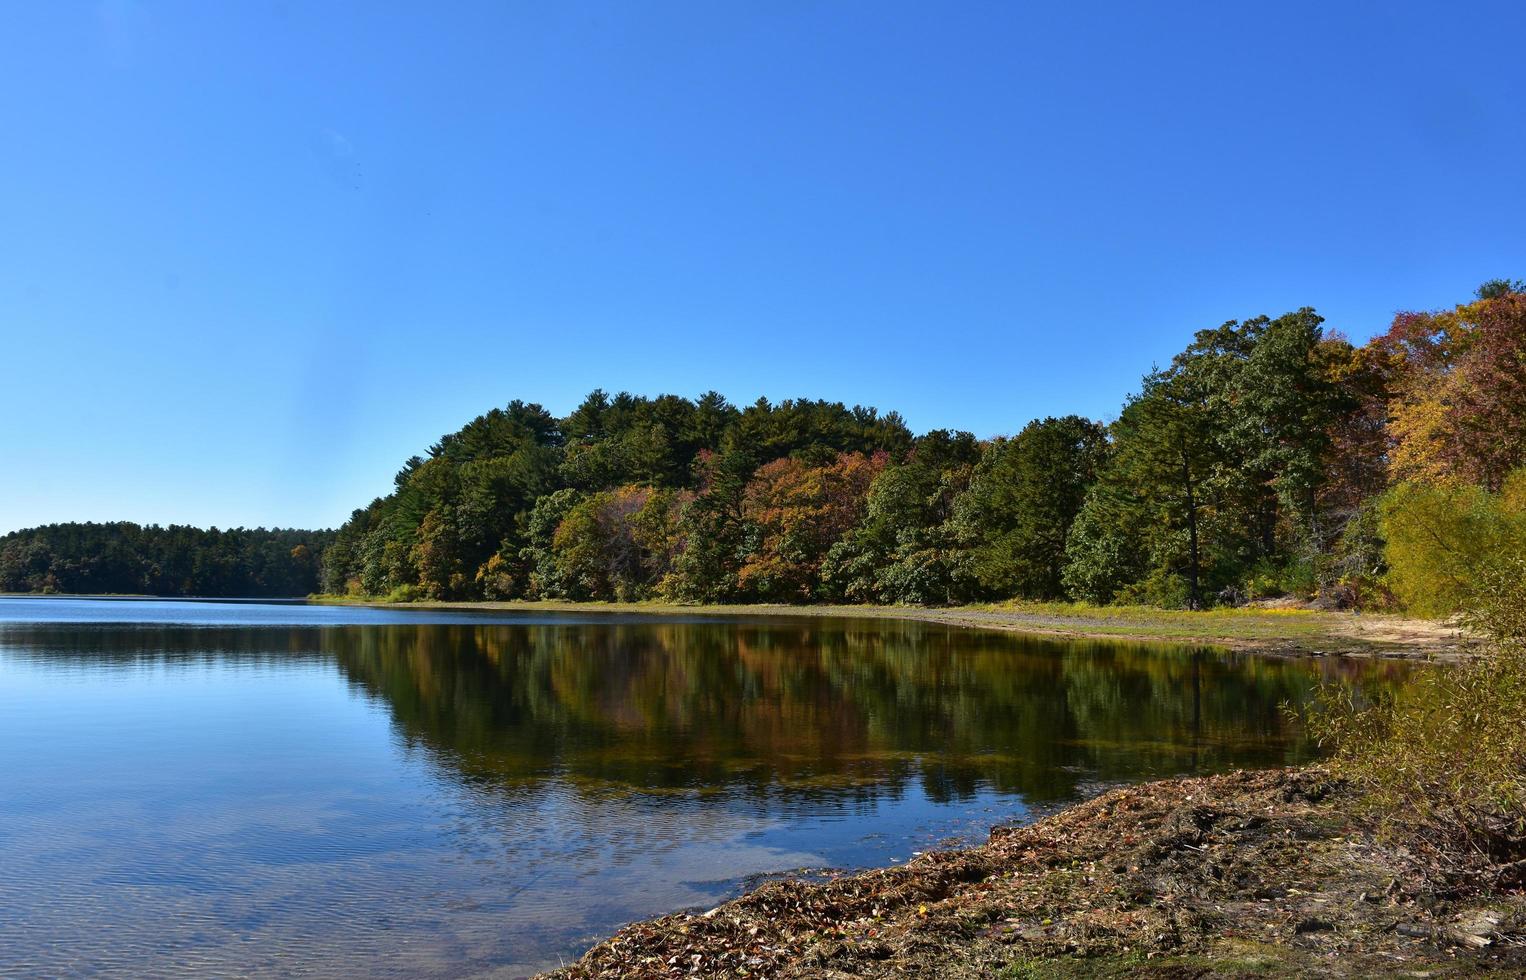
x=256, y=254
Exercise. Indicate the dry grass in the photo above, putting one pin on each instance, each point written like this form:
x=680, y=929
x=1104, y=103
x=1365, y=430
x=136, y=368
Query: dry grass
x=1443, y=760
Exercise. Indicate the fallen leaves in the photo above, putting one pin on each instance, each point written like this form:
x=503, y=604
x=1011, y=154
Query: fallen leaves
x=1207, y=861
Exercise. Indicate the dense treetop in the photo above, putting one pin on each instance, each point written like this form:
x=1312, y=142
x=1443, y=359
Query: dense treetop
x=1270, y=456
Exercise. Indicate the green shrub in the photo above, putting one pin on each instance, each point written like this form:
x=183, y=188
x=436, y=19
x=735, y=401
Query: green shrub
x=403, y=593
x=1264, y=581
x=1162, y=587
x=1440, y=535
x=1102, y=552
x=1352, y=576
x=1300, y=575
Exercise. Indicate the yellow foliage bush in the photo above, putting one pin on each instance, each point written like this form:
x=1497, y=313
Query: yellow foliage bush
x=1443, y=536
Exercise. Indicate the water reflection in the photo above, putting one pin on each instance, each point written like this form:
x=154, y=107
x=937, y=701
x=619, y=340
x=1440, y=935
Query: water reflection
x=492, y=795
x=811, y=707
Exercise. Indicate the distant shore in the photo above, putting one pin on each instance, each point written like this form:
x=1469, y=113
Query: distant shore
x=1263, y=630
x=1268, y=630
x=141, y=597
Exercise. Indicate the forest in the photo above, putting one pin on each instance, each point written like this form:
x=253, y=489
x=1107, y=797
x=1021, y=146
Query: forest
x=126, y=559
x=1270, y=457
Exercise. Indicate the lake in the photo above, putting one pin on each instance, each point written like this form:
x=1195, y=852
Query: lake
x=220, y=789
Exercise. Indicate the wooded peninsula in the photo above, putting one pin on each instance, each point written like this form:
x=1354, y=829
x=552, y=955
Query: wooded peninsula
x=1271, y=457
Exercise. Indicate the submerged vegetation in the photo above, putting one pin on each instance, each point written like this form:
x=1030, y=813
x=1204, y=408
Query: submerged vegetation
x=1270, y=457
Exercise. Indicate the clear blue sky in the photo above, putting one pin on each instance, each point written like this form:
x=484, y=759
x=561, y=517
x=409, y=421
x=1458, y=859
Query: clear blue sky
x=253, y=255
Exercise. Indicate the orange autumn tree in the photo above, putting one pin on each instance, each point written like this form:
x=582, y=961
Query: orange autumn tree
x=1459, y=411
x=1456, y=514
x=617, y=544
x=795, y=513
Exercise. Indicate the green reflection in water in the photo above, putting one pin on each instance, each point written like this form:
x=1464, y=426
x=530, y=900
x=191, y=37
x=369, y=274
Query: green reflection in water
x=562, y=777
x=747, y=709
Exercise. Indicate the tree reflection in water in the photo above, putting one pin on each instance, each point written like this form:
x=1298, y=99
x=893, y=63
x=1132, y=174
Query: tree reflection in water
x=549, y=780
x=804, y=708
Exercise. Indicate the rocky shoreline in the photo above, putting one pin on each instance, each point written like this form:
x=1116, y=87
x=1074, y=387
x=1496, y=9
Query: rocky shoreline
x=1244, y=874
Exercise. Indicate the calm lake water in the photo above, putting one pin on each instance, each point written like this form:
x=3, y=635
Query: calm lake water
x=217, y=789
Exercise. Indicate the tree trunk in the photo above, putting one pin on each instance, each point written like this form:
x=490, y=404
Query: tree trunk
x=1194, y=601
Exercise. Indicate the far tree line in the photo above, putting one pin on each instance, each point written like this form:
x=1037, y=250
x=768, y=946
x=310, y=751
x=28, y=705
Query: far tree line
x=127, y=559
x=1269, y=457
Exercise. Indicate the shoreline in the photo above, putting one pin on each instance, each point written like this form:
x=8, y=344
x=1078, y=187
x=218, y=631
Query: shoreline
x=1251, y=873
x=1265, y=873
x=1265, y=631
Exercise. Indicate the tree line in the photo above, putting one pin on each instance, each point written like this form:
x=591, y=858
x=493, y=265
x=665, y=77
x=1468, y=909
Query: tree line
x=126, y=559
x=1271, y=456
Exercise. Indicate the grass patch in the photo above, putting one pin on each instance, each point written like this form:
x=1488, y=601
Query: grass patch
x=1271, y=630
x=1311, y=628
x=1268, y=964
x=1249, y=613
x=1246, y=620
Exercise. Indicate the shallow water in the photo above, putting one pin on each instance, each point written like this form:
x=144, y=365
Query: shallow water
x=218, y=789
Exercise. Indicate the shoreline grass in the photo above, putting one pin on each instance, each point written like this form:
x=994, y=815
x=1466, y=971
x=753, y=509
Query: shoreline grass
x=1267, y=630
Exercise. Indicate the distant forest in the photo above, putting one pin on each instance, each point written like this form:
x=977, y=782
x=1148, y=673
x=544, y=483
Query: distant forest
x=125, y=559
x=1270, y=457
